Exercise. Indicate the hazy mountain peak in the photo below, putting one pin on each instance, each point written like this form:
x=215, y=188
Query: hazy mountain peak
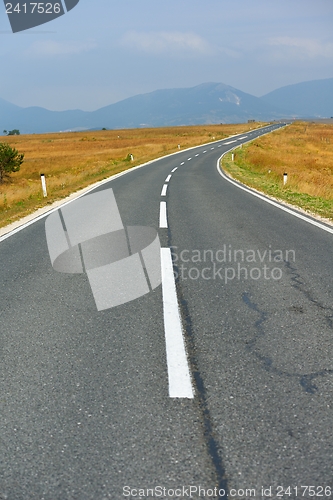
x=206, y=103
x=307, y=99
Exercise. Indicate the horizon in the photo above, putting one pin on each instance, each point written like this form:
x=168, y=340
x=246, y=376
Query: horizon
x=161, y=89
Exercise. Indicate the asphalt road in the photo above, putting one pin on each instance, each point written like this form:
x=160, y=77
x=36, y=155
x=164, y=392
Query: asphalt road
x=85, y=407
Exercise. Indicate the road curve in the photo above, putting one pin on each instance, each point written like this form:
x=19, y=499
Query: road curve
x=86, y=406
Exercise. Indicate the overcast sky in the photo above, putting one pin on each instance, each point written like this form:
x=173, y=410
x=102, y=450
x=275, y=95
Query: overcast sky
x=103, y=51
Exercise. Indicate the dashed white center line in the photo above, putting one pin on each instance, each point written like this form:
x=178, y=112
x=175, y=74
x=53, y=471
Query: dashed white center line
x=219, y=145
x=204, y=151
x=188, y=159
x=244, y=137
x=164, y=190
x=174, y=170
x=180, y=385
x=163, y=215
x=230, y=142
x=197, y=155
x=212, y=148
x=168, y=178
x=182, y=163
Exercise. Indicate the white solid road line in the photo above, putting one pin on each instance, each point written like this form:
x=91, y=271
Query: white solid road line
x=168, y=178
x=174, y=170
x=180, y=385
x=271, y=202
x=163, y=215
x=164, y=190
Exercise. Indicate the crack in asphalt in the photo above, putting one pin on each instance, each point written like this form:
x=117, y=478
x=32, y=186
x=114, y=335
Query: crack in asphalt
x=299, y=285
x=306, y=380
x=210, y=439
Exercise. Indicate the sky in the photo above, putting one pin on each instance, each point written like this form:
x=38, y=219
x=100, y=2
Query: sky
x=103, y=51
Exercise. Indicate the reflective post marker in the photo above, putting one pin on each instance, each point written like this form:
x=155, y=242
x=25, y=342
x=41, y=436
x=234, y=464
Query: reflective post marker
x=285, y=178
x=42, y=178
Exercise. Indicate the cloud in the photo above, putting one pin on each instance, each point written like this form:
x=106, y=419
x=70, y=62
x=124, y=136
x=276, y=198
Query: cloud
x=51, y=48
x=301, y=48
x=166, y=42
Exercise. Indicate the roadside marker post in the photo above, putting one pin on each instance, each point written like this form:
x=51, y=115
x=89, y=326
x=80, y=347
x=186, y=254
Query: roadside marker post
x=285, y=178
x=42, y=178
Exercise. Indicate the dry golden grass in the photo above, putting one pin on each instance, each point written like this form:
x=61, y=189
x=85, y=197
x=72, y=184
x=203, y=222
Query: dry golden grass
x=305, y=152
x=71, y=161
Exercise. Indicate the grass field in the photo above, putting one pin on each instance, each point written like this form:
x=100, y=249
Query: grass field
x=302, y=150
x=71, y=161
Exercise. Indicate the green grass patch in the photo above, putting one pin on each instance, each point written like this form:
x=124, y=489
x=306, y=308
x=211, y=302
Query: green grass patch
x=271, y=184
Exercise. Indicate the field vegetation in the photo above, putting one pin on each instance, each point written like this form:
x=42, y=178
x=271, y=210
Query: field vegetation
x=71, y=161
x=303, y=150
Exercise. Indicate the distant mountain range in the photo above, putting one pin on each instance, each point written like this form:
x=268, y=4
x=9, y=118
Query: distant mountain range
x=208, y=103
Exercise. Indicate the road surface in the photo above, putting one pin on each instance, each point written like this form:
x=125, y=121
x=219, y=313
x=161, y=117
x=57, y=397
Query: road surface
x=86, y=411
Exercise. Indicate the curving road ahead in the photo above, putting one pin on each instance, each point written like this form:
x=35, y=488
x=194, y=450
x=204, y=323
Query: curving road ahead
x=88, y=406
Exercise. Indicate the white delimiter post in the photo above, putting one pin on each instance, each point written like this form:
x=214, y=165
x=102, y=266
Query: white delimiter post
x=232, y=156
x=42, y=178
x=285, y=178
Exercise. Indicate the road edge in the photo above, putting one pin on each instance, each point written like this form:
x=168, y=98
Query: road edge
x=291, y=209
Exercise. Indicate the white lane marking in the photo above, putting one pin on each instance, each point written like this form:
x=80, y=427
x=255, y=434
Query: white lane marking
x=182, y=163
x=212, y=148
x=197, y=155
x=174, y=170
x=163, y=215
x=244, y=137
x=168, y=178
x=230, y=142
x=164, y=190
x=188, y=159
x=180, y=385
x=219, y=145
x=271, y=202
